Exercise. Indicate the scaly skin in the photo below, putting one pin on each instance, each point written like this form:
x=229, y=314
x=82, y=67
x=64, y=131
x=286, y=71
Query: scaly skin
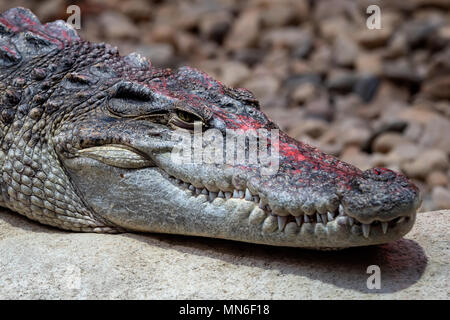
x=86, y=146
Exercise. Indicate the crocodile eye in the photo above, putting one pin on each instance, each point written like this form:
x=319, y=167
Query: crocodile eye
x=185, y=120
x=187, y=117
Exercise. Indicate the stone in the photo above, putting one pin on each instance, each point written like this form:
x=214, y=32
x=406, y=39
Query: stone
x=304, y=93
x=264, y=86
x=437, y=178
x=401, y=71
x=385, y=142
x=116, y=25
x=437, y=88
x=441, y=197
x=354, y=156
x=314, y=128
x=244, y=31
x=288, y=37
x=366, y=87
x=233, y=73
x=369, y=63
x=434, y=131
x=215, y=25
x=345, y=51
x=426, y=162
x=160, y=54
x=40, y=262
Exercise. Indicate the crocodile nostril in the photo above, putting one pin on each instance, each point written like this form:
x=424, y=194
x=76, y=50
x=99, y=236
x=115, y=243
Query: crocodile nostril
x=379, y=174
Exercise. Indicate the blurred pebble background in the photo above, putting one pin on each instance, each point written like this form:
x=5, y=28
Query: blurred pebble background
x=370, y=97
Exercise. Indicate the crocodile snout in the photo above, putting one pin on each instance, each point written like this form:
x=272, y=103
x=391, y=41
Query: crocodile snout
x=380, y=194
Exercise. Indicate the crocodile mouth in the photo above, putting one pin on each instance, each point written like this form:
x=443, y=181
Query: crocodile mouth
x=261, y=214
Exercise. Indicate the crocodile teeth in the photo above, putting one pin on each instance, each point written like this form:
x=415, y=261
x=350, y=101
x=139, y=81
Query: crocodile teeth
x=307, y=220
x=220, y=194
x=401, y=220
x=342, y=220
x=191, y=187
x=319, y=220
x=281, y=222
x=248, y=195
x=366, y=230
x=212, y=196
x=351, y=221
x=228, y=195
x=330, y=216
x=235, y=194
x=298, y=220
x=198, y=190
x=384, y=226
x=241, y=194
x=261, y=204
x=324, y=218
x=204, y=191
x=341, y=210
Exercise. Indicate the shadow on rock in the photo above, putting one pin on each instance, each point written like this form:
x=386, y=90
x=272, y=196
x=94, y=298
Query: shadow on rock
x=401, y=263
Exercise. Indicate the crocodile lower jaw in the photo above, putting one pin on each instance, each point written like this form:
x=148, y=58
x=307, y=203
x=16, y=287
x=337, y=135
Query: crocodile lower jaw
x=262, y=215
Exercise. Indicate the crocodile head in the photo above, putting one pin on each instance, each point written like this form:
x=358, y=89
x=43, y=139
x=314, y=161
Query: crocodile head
x=113, y=122
x=119, y=155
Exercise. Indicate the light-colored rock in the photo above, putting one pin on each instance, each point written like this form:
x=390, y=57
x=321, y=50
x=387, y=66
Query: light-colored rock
x=118, y=26
x=426, y=162
x=304, y=93
x=38, y=262
x=441, y=197
x=244, y=31
x=437, y=178
x=388, y=141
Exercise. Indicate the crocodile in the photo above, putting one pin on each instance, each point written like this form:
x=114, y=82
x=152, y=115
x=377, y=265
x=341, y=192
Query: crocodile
x=87, y=145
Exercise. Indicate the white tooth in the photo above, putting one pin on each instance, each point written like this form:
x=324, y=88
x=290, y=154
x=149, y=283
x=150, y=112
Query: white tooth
x=235, y=194
x=319, y=220
x=324, y=218
x=298, y=220
x=220, y=194
x=228, y=195
x=307, y=220
x=204, y=191
x=191, y=187
x=351, y=221
x=261, y=204
x=212, y=196
x=198, y=190
x=366, y=230
x=384, y=226
x=241, y=194
x=342, y=220
x=270, y=224
x=281, y=222
x=330, y=216
x=248, y=195
x=401, y=220
x=256, y=199
x=341, y=210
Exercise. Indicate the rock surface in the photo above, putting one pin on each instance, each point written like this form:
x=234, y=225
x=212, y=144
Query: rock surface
x=39, y=262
